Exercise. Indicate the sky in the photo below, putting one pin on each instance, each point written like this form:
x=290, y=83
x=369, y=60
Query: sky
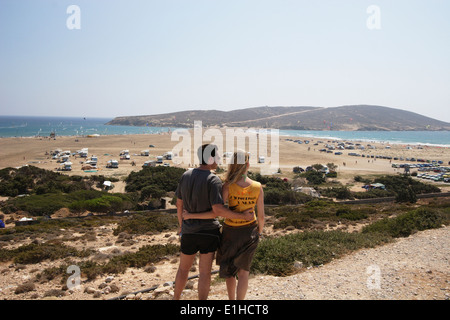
x=109, y=58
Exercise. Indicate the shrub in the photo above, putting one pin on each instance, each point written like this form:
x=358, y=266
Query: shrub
x=151, y=222
x=314, y=177
x=406, y=195
x=35, y=253
x=337, y=192
x=26, y=287
x=40, y=205
x=104, y=203
x=291, y=216
x=276, y=256
x=346, y=213
x=399, y=183
x=152, y=191
x=406, y=223
x=31, y=179
x=278, y=191
x=164, y=178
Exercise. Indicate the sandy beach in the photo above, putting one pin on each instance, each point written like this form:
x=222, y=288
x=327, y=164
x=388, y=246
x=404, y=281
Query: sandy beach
x=16, y=152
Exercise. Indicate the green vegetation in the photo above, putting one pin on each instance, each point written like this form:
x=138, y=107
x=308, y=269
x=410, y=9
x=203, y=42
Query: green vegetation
x=77, y=201
x=403, y=188
x=31, y=179
x=278, y=191
x=104, y=203
x=318, y=212
x=35, y=253
x=55, y=226
x=42, y=192
x=161, y=178
x=317, y=173
x=408, y=223
x=276, y=256
x=148, y=222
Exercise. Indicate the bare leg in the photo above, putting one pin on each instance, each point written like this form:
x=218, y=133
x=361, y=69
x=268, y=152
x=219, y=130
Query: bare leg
x=204, y=279
x=182, y=274
x=242, y=284
x=231, y=288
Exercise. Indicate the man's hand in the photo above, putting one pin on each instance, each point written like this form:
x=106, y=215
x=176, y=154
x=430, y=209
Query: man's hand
x=186, y=215
x=248, y=214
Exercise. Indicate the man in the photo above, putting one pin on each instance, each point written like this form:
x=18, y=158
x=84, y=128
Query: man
x=200, y=191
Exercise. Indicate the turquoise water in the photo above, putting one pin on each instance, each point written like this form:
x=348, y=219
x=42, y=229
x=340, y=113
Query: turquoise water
x=15, y=126
x=438, y=138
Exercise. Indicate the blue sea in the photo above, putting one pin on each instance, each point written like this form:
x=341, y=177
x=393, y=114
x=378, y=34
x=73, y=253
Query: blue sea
x=432, y=138
x=24, y=126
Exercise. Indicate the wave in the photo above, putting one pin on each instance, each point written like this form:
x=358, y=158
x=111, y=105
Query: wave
x=15, y=126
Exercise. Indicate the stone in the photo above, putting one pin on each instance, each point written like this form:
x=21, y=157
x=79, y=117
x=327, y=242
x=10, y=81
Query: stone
x=89, y=290
x=298, y=265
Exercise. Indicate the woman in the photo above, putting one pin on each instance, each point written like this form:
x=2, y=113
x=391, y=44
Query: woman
x=239, y=237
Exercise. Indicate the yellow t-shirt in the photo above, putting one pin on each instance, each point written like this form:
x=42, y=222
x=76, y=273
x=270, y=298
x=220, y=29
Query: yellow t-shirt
x=241, y=199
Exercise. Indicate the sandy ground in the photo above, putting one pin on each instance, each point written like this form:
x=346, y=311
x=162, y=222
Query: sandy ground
x=422, y=273
x=16, y=152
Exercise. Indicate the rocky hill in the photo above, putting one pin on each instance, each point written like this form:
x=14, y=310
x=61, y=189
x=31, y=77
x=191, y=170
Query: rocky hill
x=349, y=118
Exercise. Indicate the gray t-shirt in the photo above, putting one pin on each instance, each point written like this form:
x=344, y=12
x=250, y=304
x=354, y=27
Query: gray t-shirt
x=199, y=190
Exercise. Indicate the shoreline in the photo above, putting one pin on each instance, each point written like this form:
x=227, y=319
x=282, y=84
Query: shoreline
x=301, y=137
x=303, y=134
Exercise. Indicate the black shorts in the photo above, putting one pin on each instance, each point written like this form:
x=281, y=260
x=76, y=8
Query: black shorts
x=204, y=241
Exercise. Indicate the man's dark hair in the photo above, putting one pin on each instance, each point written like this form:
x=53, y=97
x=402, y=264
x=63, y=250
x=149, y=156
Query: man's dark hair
x=206, y=151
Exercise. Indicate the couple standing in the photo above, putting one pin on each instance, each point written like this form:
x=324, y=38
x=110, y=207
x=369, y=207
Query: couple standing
x=201, y=198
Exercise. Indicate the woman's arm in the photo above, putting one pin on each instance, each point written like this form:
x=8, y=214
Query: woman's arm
x=204, y=215
x=260, y=211
x=219, y=210
x=179, y=214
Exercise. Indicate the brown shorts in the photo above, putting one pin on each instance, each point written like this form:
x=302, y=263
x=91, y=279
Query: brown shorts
x=236, y=249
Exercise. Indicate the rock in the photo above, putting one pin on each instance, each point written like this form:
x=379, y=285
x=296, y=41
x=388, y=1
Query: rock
x=189, y=285
x=162, y=289
x=109, y=279
x=89, y=290
x=102, y=285
x=298, y=265
x=150, y=269
x=114, y=288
